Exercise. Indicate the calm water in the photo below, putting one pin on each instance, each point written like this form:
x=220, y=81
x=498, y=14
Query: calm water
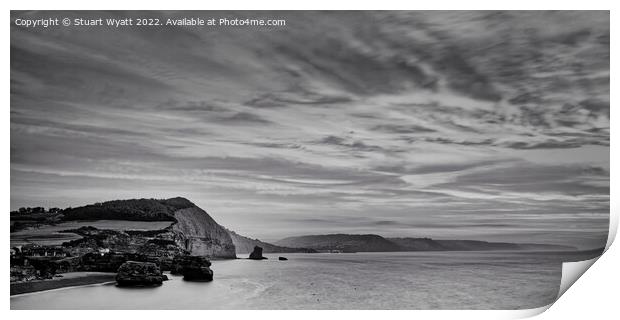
x=403, y=280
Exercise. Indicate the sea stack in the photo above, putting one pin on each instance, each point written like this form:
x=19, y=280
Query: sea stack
x=257, y=254
x=193, y=268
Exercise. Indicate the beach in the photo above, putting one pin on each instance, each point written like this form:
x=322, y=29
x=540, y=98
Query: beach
x=70, y=279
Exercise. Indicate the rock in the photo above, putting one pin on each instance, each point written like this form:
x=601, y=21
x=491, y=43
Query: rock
x=282, y=258
x=198, y=274
x=257, y=254
x=176, y=266
x=193, y=268
x=180, y=261
x=133, y=273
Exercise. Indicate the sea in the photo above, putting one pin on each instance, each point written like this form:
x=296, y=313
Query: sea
x=394, y=280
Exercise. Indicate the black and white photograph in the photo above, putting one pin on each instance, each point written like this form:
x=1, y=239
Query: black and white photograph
x=305, y=160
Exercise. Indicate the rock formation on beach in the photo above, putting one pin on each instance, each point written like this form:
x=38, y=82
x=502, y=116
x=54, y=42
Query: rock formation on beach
x=198, y=270
x=133, y=273
x=193, y=268
x=257, y=254
x=105, y=250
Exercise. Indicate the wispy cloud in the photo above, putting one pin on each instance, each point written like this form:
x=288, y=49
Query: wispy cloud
x=443, y=124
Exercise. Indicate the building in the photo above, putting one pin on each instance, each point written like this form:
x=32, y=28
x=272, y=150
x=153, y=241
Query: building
x=43, y=251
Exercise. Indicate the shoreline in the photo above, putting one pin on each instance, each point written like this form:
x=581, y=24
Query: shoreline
x=77, y=279
x=72, y=279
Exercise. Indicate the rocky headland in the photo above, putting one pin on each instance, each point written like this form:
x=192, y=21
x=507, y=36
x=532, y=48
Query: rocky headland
x=184, y=247
x=192, y=230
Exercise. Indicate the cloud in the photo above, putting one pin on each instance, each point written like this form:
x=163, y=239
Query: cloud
x=397, y=123
x=402, y=128
x=553, y=144
x=354, y=145
x=244, y=118
x=192, y=106
x=273, y=100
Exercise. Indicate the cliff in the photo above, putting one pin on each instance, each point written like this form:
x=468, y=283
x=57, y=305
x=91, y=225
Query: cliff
x=194, y=230
x=246, y=245
x=203, y=236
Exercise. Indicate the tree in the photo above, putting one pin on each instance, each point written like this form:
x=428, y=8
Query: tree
x=38, y=210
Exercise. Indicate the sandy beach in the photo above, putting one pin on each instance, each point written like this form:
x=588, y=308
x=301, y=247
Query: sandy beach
x=70, y=279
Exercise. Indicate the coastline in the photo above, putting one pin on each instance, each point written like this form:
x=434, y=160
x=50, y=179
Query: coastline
x=70, y=279
x=295, y=284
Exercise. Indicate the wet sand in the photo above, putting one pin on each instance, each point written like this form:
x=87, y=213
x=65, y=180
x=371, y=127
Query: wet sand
x=70, y=279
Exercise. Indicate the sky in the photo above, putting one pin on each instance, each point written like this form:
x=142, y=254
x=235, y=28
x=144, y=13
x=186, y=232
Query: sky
x=451, y=125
